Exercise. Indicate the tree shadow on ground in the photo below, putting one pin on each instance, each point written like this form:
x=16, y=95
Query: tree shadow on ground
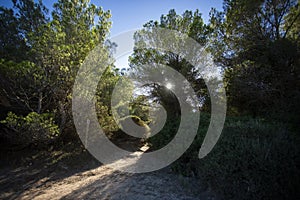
x=154, y=185
x=72, y=173
x=22, y=170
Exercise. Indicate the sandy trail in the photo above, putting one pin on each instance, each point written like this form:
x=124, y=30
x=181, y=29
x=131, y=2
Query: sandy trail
x=104, y=183
x=100, y=182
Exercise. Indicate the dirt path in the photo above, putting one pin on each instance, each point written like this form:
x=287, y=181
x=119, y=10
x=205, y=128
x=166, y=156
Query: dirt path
x=103, y=183
x=43, y=180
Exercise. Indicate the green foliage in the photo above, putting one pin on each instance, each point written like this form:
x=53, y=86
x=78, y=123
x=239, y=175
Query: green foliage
x=33, y=129
x=43, y=79
x=162, y=138
x=140, y=107
x=16, y=26
x=12, y=43
x=23, y=84
x=144, y=61
x=292, y=24
x=254, y=159
x=103, y=96
x=258, y=47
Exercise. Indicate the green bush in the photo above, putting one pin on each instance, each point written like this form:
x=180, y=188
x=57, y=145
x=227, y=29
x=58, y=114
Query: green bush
x=33, y=129
x=253, y=159
x=165, y=135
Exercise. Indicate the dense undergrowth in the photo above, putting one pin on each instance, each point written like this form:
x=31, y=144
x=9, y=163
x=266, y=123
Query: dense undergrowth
x=255, y=158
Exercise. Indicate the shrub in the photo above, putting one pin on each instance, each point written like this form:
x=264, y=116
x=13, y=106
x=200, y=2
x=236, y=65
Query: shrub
x=253, y=159
x=33, y=129
x=162, y=138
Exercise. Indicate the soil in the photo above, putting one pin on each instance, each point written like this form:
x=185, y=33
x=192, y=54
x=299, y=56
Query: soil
x=72, y=173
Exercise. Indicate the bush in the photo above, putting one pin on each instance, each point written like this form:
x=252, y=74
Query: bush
x=253, y=159
x=165, y=136
x=34, y=129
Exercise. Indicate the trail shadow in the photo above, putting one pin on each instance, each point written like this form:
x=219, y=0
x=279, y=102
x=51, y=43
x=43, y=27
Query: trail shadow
x=22, y=170
x=148, y=186
x=30, y=168
x=32, y=174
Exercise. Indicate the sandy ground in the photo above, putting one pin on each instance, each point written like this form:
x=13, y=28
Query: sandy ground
x=60, y=175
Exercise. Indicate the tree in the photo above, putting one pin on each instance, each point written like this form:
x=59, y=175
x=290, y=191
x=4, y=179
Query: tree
x=189, y=23
x=17, y=24
x=30, y=15
x=56, y=49
x=62, y=45
x=20, y=77
x=253, y=45
x=11, y=42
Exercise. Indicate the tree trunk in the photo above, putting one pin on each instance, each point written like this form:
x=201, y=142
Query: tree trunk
x=63, y=117
x=40, y=102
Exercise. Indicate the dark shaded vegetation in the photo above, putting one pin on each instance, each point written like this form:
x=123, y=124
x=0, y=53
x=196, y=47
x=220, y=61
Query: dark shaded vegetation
x=255, y=44
x=254, y=159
